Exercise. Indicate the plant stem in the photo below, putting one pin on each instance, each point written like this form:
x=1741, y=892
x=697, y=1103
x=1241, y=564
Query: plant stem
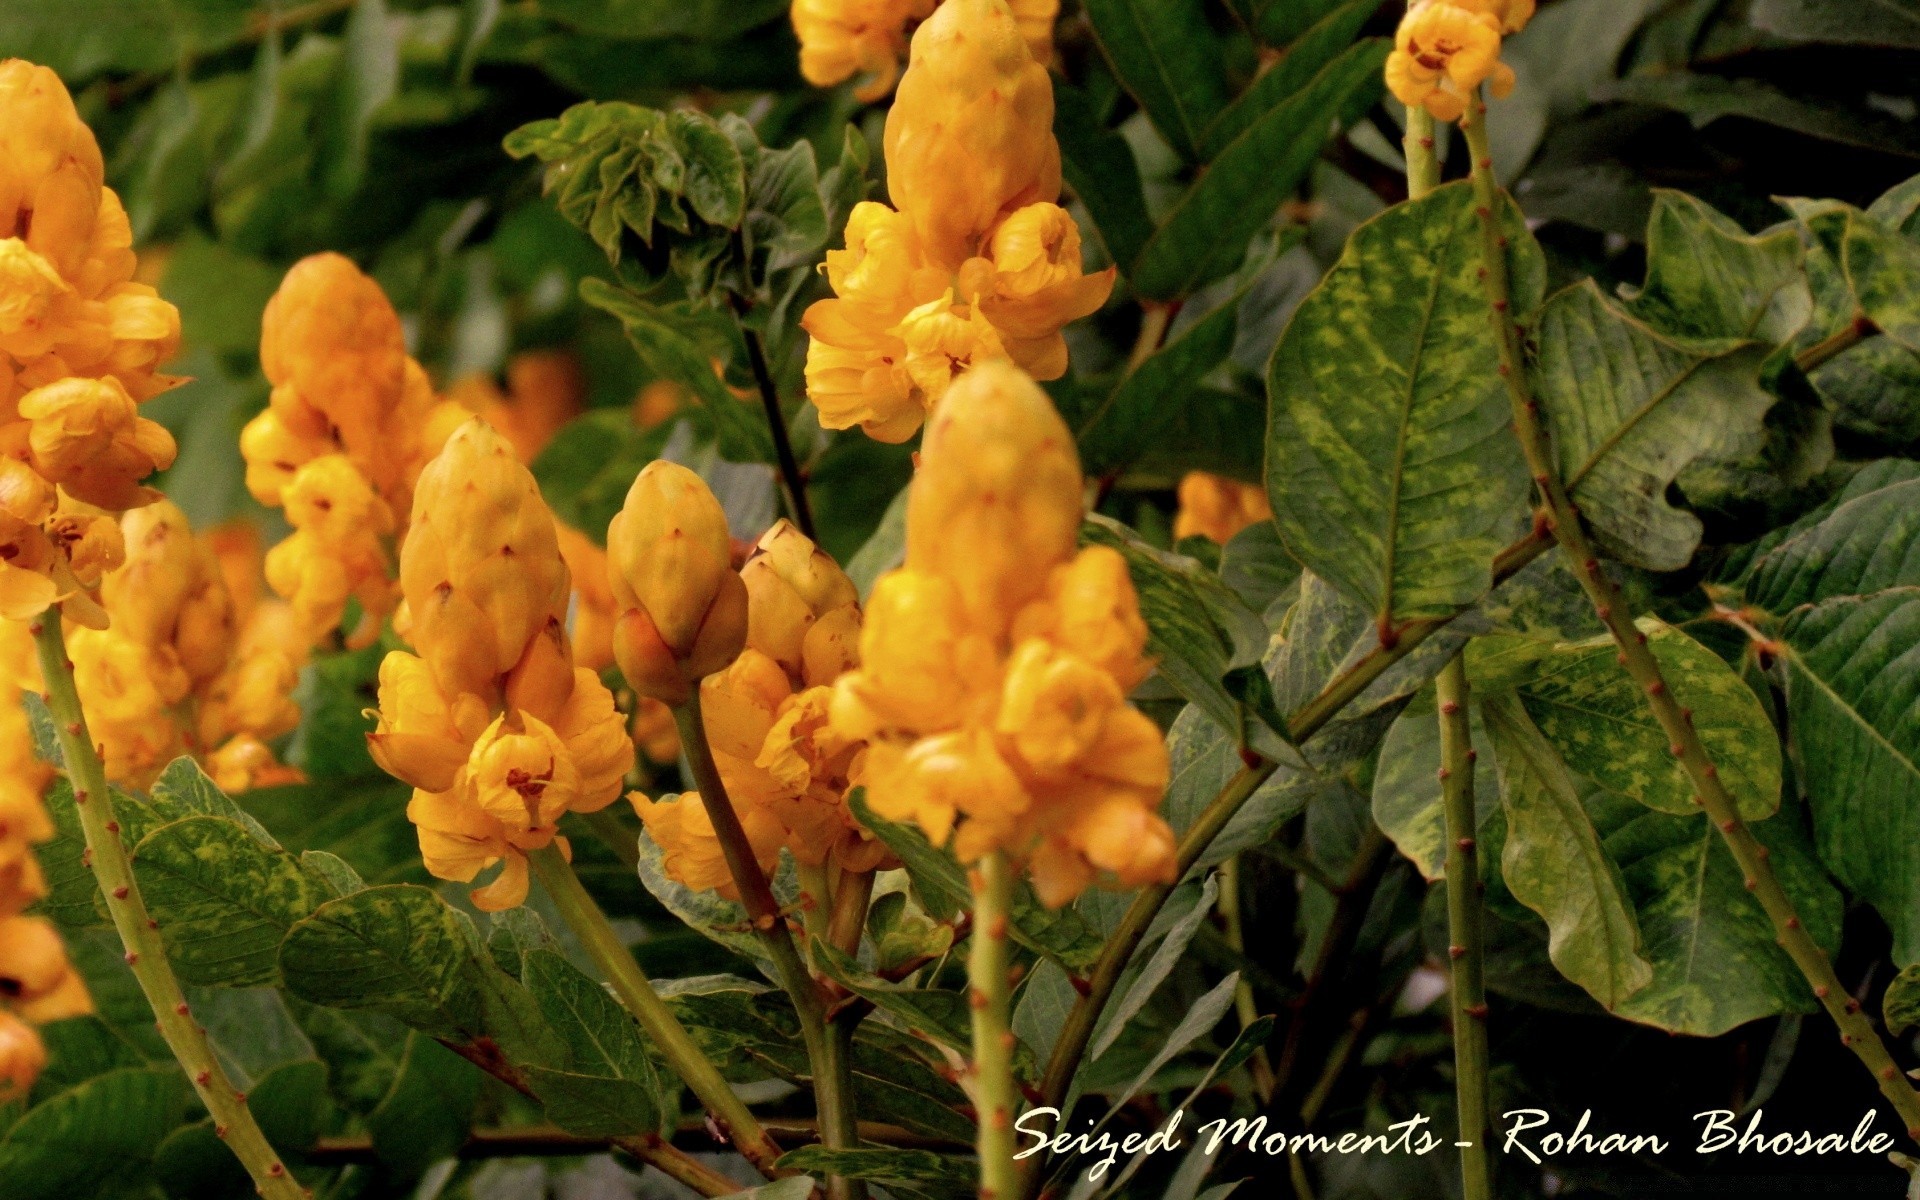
x=790, y=474
x=992, y=1069
x=1856, y=1031
x=139, y=933
x=1423, y=168
x=1155, y=317
x=636, y=993
x=1246, y=1008
x=850, y=903
x=832, y=1094
x=550, y=1141
x=1466, y=946
x=1820, y=353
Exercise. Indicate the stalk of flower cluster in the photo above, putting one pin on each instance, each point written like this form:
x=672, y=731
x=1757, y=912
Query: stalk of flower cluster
x=636, y=993
x=832, y=1075
x=1423, y=167
x=1856, y=1030
x=792, y=476
x=1466, y=947
x=139, y=933
x=989, y=985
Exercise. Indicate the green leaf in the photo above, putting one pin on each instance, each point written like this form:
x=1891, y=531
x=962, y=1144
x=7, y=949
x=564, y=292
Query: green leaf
x=397, y=949
x=369, y=77
x=902, y=936
x=941, y=885
x=1716, y=961
x=136, y=35
x=1199, y=631
x=362, y=1051
x=611, y=1088
x=426, y=1115
x=1593, y=713
x=1099, y=166
x=1204, y=235
x=1708, y=278
x=1849, y=22
x=224, y=901
x=1853, y=697
x=1165, y=53
x=661, y=337
x=185, y=790
x=706, y=20
x=1199, y=1021
x=364, y=825
x=1137, y=412
x=942, y=1018
x=1705, y=99
x=1867, y=544
x=1390, y=462
x=1407, y=801
x=1900, y=1007
x=334, y=697
x=220, y=292
x=1203, y=758
x=912, y=1170
x=725, y=921
x=1305, y=58
x=1277, y=22
x=1554, y=864
x=1155, y=970
x=94, y=1138
x=1882, y=473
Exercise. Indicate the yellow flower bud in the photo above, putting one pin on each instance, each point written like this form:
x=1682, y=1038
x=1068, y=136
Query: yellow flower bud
x=273, y=453
x=481, y=567
x=970, y=136
x=922, y=668
x=330, y=334
x=22, y=1058
x=738, y=703
x=683, y=607
x=997, y=500
x=1217, y=508
x=793, y=586
x=35, y=974
x=865, y=387
x=843, y=38
x=26, y=567
x=943, y=339
x=245, y=762
x=1054, y=707
x=595, y=735
x=1442, y=52
x=423, y=736
x=937, y=778
x=31, y=290
x=88, y=437
x=169, y=592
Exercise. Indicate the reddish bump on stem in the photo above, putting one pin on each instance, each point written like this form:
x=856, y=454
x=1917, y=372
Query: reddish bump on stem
x=113, y=827
x=1456, y=952
x=120, y=893
x=1751, y=883
x=220, y=1131
x=1823, y=991
x=1466, y=843
x=977, y=998
x=1449, y=707
x=1477, y=1011
x=181, y=1008
x=203, y=1078
x=1793, y=922
x=132, y=957
x=1656, y=687
x=73, y=728
x=1729, y=825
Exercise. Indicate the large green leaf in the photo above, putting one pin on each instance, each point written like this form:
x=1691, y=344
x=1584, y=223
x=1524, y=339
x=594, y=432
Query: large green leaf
x=1407, y=801
x=1203, y=758
x=1853, y=692
x=1149, y=397
x=1305, y=58
x=1630, y=408
x=1554, y=864
x=397, y=949
x=1716, y=961
x=1709, y=278
x=1868, y=544
x=1705, y=99
x=1165, y=53
x=1099, y=166
x=92, y=1138
x=1861, y=22
x=224, y=901
x=1390, y=461
x=1593, y=713
x=426, y=1112
x=1204, y=235
x=610, y=1088
x=1878, y=268
x=707, y=20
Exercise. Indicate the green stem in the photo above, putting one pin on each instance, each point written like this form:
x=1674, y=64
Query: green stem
x=1856, y=1031
x=992, y=1068
x=850, y=903
x=1466, y=945
x=816, y=904
x=1155, y=317
x=791, y=475
x=139, y=933
x=1423, y=168
x=636, y=992
x=1246, y=1008
x=831, y=1095
x=1827, y=349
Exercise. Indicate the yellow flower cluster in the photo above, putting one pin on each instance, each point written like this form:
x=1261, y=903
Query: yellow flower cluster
x=80, y=347
x=786, y=769
x=995, y=665
x=1215, y=507
x=182, y=668
x=1447, y=48
x=492, y=722
x=545, y=390
x=351, y=422
x=974, y=262
x=840, y=39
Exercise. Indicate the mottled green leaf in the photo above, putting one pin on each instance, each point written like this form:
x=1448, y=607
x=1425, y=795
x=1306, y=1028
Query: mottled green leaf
x=1554, y=864
x=1165, y=53
x=1390, y=462
x=1203, y=758
x=184, y=789
x=1204, y=235
x=1709, y=278
x=913, y=1170
x=1589, y=708
x=610, y=1088
x=397, y=949
x=1865, y=545
x=1900, y=1007
x=1630, y=408
x=426, y=1114
x=93, y=1138
x=224, y=901
x=1407, y=801
x=1853, y=694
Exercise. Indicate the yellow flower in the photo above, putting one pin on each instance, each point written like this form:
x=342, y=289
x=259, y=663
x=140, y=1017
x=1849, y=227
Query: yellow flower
x=245, y=762
x=423, y=736
x=1443, y=51
x=35, y=976
x=22, y=1058
x=863, y=387
x=1091, y=609
x=30, y=292
x=843, y=38
x=683, y=609
x=802, y=610
x=595, y=735
x=970, y=136
x=923, y=669
x=545, y=389
x=1512, y=15
x=937, y=778
x=88, y=437
x=169, y=593
x=126, y=691
x=524, y=779
x=1039, y=286
x=481, y=567
x=593, y=610
x=997, y=501
x=1217, y=508
x=654, y=730
x=690, y=850
x=943, y=339
x=814, y=765
x=459, y=839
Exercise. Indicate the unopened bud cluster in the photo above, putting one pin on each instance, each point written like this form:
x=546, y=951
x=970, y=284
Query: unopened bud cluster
x=995, y=665
x=1217, y=508
x=787, y=771
x=841, y=39
x=1447, y=48
x=497, y=728
x=975, y=261
x=351, y=422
